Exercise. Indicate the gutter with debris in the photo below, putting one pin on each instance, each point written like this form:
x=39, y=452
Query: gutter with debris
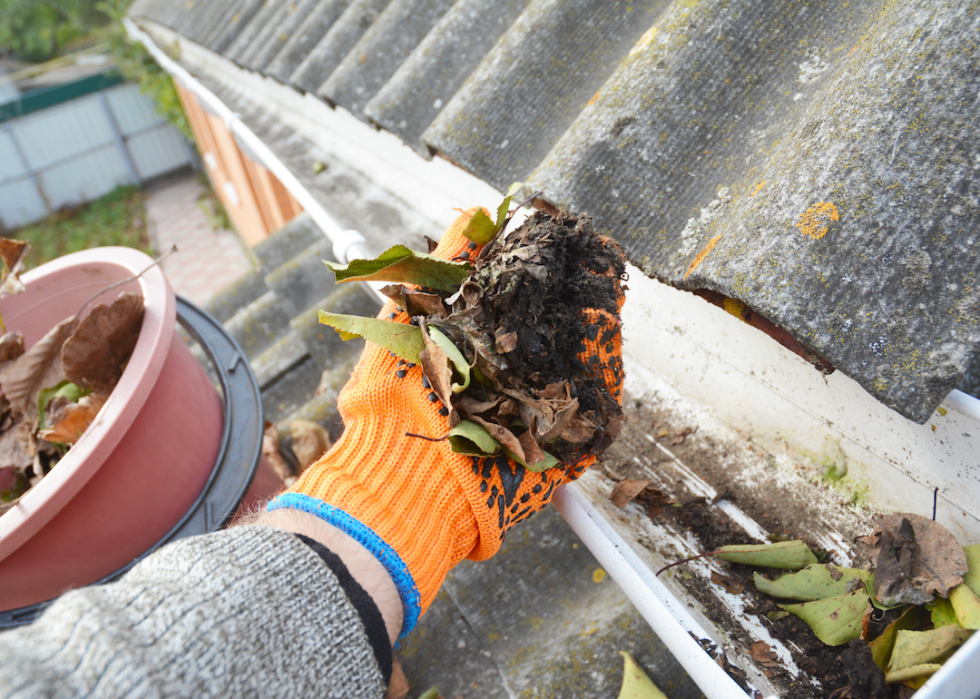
x=763, y=414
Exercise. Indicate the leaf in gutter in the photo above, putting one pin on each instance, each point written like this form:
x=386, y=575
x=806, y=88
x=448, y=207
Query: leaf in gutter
x=415, y=302
x=400, y=264
x=731, y=585
x=402, y=339
x=812, y=583
x=636, y=684
x=472, y=439
x=624, y=491
x=972, y=577
x=881, y=647
x=23, y=378
x=835, y=620
x=480, y=229
x=789, y=555
x=912, y=673
x=921, y=647
x=966, y=604
x=942, y=613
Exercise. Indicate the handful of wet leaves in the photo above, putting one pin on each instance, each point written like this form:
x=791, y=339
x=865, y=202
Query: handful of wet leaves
x=500, y=335
x=53, y=392
x=901, y=620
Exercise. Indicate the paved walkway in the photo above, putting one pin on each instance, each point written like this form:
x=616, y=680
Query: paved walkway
x=208, y=259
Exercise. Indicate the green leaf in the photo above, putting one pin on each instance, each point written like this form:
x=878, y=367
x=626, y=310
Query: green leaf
x=66, y=388
x=547, y=462
x=636, y=684
x=401, y=338
x=921, y=647
x=480, y=229
x=430, y=693
x=472, y=439
x=789, y=555
x=812, y=583
x=881, y=647
x=966, y=604
x=399, y=264
x=942, y=612
x=460, y=364
x=972, y=578
x=504, y=207
x=836, y=620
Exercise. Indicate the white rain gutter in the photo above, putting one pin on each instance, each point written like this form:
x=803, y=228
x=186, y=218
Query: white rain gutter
x=347, y=244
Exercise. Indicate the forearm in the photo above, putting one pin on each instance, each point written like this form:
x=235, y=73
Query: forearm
x=246, y=612
x=361, y=564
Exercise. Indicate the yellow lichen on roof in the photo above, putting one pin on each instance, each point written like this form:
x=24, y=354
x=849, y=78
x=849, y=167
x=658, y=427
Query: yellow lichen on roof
x=815, y=221
x=701, y=255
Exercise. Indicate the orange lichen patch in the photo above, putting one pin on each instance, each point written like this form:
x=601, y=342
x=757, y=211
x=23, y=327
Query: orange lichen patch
x=852, y=51
x=815, y=221
x=757, y=188
x=595, y=98
x=701, y=255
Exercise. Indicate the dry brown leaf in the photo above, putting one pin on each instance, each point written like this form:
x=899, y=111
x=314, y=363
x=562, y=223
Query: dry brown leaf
x=11, y=346
x=502, y=435
x=13, y=252
x=270, y=450
x=437, y=367
x=579, y=429
x=732, y=585
x=310, y=441
x=416, y=302
x=625, y=491
x=95, y=354
x=917, y=558
x=506, y=342
x=532, y=450
x=763, y=654
x=23, y=378
x=18, y=445
x=678, y=436
x=471, y=406
x=72, y=419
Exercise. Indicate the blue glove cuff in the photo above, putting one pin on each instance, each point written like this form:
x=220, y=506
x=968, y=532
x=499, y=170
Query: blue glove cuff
x=366, y=537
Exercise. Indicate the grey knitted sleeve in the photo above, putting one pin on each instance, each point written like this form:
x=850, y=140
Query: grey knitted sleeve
x=246, y=612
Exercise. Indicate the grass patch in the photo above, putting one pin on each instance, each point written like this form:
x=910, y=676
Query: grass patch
x=118, y=218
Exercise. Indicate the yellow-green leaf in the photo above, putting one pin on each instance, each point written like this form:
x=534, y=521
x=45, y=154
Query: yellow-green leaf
x=402, y=339
x=636, y=684
x=924, y=670
x=881, y=647
x=966, y=604
x=836, y=620
x=400, y=264
x=789, y=555
x=472, y=439
x=972, y=578
x=430, y=693
x=504, y=207
x=921, y=647
x=812, y=583
x=942, y=612
x=480, y=229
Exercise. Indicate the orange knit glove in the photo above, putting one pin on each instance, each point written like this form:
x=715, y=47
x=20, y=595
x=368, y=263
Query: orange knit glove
x=416, y=505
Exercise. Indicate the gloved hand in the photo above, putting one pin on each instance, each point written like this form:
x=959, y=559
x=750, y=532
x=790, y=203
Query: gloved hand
x=416, y=505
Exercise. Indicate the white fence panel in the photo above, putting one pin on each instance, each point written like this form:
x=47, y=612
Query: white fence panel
x=132, y=110
x=60, y=132
x=11, y=164
x=85, y=177
x=20, y=203
x=158, y=151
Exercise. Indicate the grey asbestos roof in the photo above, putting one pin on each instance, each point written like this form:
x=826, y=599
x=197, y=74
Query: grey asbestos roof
x=814, y=162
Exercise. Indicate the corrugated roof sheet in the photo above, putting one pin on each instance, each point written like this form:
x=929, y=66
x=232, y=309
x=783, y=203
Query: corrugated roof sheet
x=815, y=162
